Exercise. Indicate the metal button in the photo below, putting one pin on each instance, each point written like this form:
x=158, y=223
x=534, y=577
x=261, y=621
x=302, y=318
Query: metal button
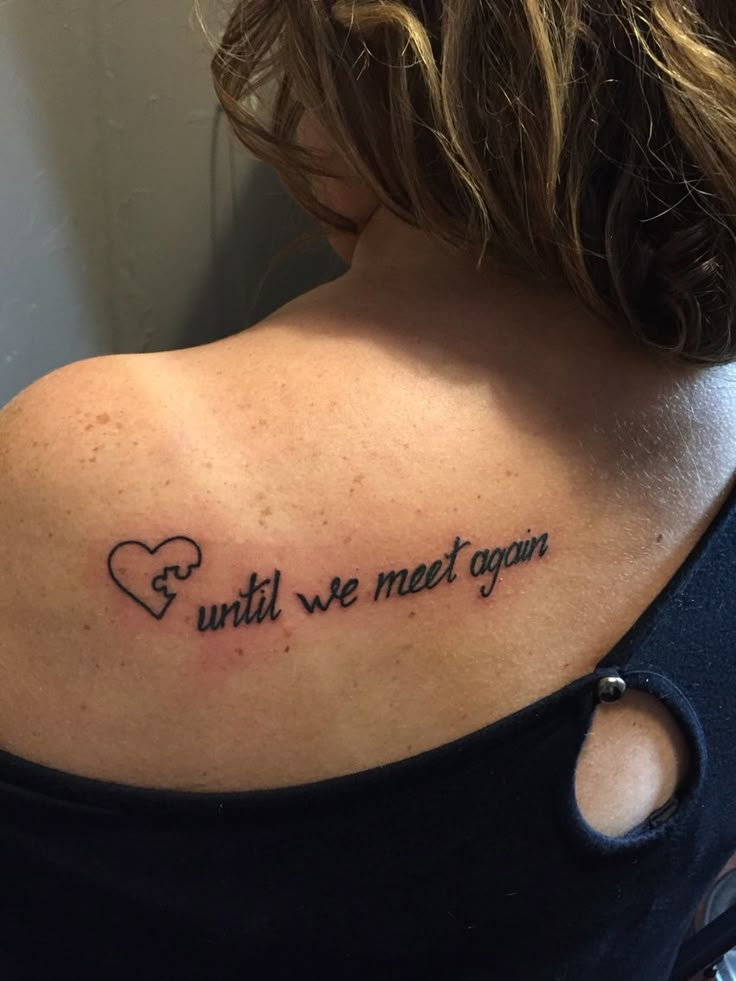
x=611, y=688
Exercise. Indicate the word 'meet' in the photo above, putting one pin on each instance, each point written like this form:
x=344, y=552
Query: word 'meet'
x=422, y=577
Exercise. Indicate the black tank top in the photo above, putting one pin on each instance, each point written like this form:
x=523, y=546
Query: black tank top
x=466, y=862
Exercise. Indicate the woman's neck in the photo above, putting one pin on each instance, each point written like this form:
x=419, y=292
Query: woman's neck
x=400, y=275
x=392, y=248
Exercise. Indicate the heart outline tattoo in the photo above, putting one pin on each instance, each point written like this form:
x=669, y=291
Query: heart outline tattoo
x=149, y=578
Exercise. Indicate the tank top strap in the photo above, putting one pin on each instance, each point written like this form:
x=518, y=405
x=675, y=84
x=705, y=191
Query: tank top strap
x=693, y=617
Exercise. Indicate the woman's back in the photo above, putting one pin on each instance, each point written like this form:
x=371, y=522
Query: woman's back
x=174, y=518
x=356, y=433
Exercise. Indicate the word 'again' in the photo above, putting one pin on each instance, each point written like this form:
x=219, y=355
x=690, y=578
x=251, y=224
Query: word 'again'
x=488, y=562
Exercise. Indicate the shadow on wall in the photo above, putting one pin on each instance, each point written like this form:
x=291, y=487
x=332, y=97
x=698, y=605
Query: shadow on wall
x=54, y=301
x=272, y=253
x=126, y=227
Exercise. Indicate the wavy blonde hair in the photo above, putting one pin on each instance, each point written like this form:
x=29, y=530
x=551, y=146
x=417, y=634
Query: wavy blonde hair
x=591, y=142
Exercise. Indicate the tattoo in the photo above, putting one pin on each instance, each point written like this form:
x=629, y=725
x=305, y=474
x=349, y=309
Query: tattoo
x=422, y=577
x=486, y=560
x=337, y=591
x=142, y=573
x=266, y=605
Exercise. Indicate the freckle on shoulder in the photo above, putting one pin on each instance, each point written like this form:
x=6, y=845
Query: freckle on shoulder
x=61, y=422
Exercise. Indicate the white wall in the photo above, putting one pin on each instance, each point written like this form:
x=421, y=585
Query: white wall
x=130, y=219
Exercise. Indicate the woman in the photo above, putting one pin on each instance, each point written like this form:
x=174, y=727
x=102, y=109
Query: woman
x=393, y=637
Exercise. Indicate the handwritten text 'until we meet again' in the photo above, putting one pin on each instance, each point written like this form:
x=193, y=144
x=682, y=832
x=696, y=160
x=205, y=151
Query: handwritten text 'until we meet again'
x=143, y=574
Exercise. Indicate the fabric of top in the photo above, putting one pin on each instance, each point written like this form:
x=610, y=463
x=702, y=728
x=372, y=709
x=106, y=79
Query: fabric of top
x=466, y=862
